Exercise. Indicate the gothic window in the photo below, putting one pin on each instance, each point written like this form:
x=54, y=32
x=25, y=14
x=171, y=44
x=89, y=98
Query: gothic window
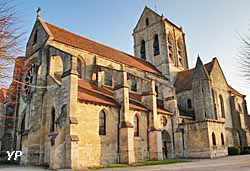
x=222, y=139
x=143, y=50
x=108, y=78
x=222, y=107
x=133, y=85
x=102, y=123
x=28, y=80
x=52, y=122
x=35, y=37
x=213, y=139
x=136, y=126
x=23, y=125
x=156, y=45
x=170, y=46
x=79, y=67
x=163, y=121
x=189, y=103
x=180, y=51
x=147, y=22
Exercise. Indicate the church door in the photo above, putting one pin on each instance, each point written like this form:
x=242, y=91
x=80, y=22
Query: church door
x=165, y=143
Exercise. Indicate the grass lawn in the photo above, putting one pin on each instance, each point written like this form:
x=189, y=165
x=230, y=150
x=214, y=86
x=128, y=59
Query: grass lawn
x=146, y=163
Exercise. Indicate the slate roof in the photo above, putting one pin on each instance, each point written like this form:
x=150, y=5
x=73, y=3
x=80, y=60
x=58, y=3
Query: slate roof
x=68, y=38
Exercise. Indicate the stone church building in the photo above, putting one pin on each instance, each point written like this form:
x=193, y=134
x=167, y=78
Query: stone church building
x=80, y=103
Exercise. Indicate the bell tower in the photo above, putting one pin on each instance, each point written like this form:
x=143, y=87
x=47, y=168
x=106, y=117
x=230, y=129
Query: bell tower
x=160, y=42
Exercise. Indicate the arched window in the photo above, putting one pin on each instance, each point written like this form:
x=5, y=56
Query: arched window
x=222, y=139
x=180, y=51
x=170, y=46
x=133, y=85
x=156, y=45
x=102, y=123
x=213, y=139
x=147, y=22
x=163, y=121
x=79, y=67
x=143, y=50
x=222, y=107
x=52, y=121
x=189, y=103
x=136, y=126
x=108, y=78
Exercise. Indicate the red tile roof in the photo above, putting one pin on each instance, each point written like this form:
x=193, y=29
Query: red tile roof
x=184, y=78
x=102, y=95
x=63, y=36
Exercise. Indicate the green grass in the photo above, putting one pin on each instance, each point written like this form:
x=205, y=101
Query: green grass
x=146, y=163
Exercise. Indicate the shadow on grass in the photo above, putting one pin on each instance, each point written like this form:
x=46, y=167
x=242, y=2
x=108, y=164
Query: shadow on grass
x=146, y=163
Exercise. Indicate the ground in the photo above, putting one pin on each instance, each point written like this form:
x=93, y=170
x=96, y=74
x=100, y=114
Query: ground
x=231, y=163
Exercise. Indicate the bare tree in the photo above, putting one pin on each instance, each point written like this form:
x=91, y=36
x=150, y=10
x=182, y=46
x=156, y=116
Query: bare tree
x=9, y=39
x=245, y=56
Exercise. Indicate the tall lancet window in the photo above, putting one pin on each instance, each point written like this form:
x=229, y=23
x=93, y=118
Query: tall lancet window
x=143, y=50
x=136, y=126
x=222, y=106
x=156, y=45
x=102, y=123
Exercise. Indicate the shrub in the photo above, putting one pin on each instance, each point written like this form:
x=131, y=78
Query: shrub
x=246, y=150
x=233, y=150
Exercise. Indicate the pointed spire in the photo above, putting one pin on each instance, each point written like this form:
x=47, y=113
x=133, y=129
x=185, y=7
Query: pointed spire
x=38, y=12
x=200, y=71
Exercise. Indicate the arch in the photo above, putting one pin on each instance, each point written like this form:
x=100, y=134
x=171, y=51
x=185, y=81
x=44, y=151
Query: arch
x=143, y=50
x=222, y=139
x=136, y=126
x=213, y=139
x=108, y=80
x=163, y=121
x=180, y=50
x=133, y=83
x=102, y=122
x=189, y=103
x=170, y=46
x=56, y=66
x=156, y=45
x=166, y=143
x=52, y=120
x=81, y=67
x=147, y=21
x=222, y=106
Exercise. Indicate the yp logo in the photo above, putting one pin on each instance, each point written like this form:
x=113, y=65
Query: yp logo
x=17, y=154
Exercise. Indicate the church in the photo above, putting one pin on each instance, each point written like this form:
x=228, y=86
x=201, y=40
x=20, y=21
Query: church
x=79, y=103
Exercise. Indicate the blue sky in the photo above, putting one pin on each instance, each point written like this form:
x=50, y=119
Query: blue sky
x=212, y=27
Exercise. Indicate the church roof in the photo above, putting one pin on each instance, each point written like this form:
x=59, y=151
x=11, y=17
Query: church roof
x=63, y=36
x=184, y=78
x=103, y=95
